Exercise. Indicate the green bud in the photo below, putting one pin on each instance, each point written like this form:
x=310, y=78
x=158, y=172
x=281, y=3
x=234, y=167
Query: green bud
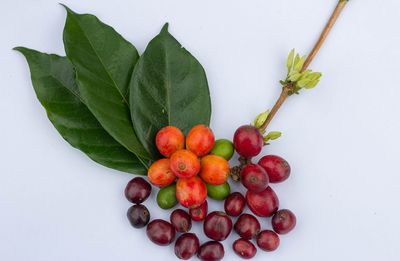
x=294, y=77
x=260, y=119
x=289, y=62
x=304, y=82
x=272, y=135
x=299, y=65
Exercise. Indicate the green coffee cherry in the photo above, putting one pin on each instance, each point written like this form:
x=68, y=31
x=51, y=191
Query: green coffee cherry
x=223, y=148
x=166, y=197
x=218, y=192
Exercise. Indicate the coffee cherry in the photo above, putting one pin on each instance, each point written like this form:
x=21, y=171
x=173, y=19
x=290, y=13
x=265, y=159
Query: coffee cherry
x=211, y=251
x=199, y=213
x=277, y=168
x=191, y=192
x=283, y=221
x=248, y=141
x=268, y=240
x=160, y=174
x=254, y=177
x=214, y=169
x=138, y=216
x=169, y=139
x=137, y=190
x=264, y=203
x=217, y=225
x=244, y=248
x=200, y=140
x=234, y=204
x=218, y=192
x=186, y=246
x=166, y=197
x=160, y=232
x=181, y=220
x=223, y=148
x=247, y=226
x=184, y=164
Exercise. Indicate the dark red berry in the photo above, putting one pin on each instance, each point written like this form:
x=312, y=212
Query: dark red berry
x=268, y=240
x=264, y=203
x=247, y=226
x=254, y=177
x=244, y=248
x=211, y=251
x=248, y=141
x=276, y=167
x=138, y=216
x=217, y=225
x=181, y=220
x=186, y=246
x=137, y=190
x=199, y=213
x=283, y=221
x=160, y=232
x=234, y=204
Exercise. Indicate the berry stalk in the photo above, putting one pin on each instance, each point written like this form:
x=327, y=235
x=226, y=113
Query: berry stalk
x=288, y=89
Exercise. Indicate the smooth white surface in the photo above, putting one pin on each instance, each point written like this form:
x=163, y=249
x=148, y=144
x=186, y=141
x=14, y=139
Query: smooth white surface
x=342, y=138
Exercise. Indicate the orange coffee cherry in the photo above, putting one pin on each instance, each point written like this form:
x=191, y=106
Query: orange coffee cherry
x=191, y=192
x=184, y=164
x=169, y=139
x=160, y=174
x=214, y=169
x=200, y=140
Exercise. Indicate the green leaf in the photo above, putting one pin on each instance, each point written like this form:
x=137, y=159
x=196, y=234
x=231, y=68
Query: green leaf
x=104, y=62
x=54, y=84
x=289, y=62
x=168, y=87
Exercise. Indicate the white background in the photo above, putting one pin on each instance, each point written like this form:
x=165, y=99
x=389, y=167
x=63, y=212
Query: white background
x=341, y=139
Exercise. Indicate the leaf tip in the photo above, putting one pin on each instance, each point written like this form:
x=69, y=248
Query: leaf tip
x=67, y=8
x=165, y=28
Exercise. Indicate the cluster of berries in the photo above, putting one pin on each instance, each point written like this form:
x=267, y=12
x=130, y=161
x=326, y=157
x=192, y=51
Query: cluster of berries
x=197, y=166
x=190, y=166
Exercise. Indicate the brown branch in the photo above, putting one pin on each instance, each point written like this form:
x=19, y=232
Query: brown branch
x=288, y=89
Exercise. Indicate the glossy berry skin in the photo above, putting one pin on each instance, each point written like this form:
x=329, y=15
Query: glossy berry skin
x=138, y=216
x=214, y=170
x=186, y=246
x=160, y=174
x=169, y=139
x=166, y=197
x=264, y=203
x=181, y=220
x=191, y=192
x=234, y=204
x=137, y=190
x=217, y=226
x=200, y=140
x=254, y=177
x=248, y=141
x=160, y=232
x=223, y=148
x=199, y=213
x=277, y=168
x=247, y=226
x=184, y=164
x=218, y=192
x=268, y=240
x=211, y=251
x=244, y=248
x=283, y=221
